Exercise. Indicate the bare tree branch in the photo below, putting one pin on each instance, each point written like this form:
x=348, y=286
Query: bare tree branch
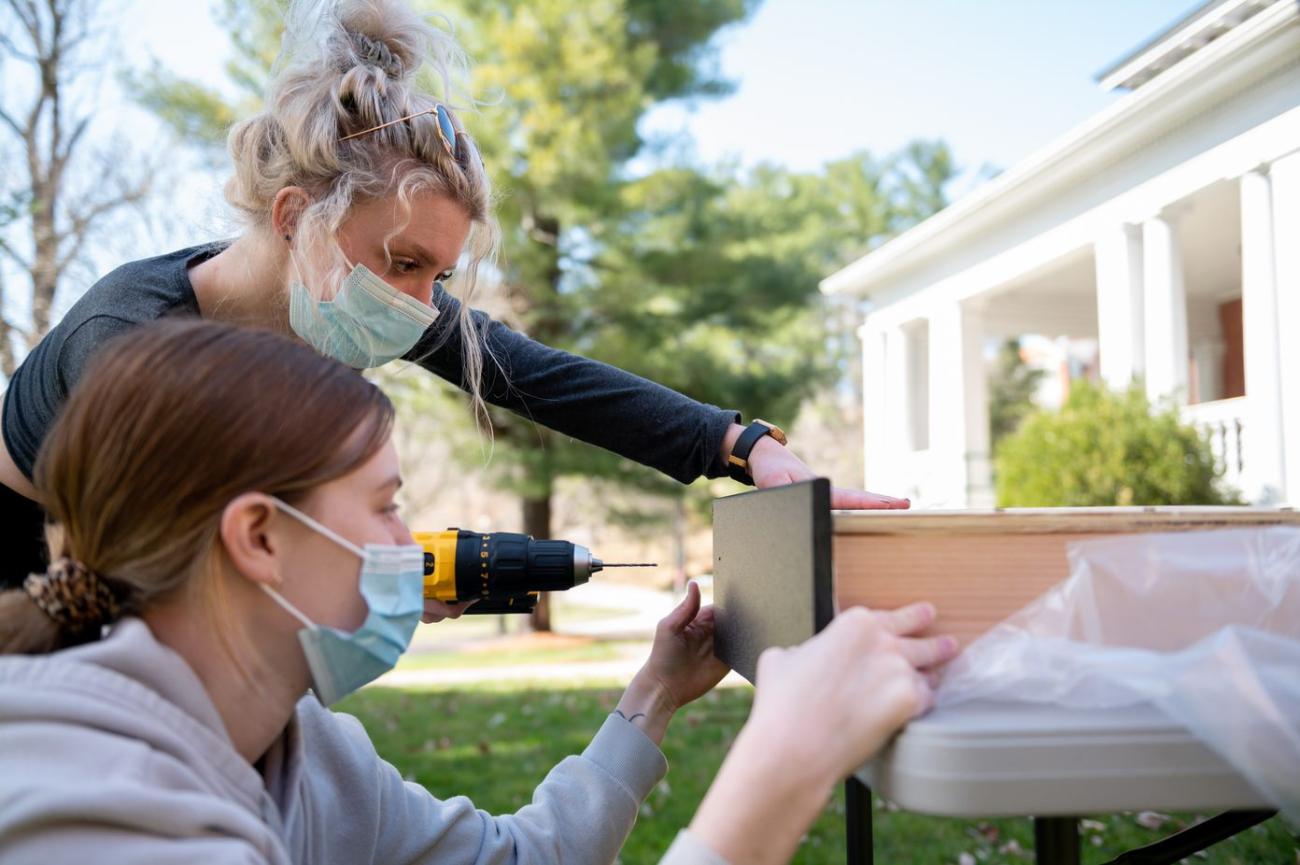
x=83, y=223
x=28, y=16
x=12, y=49
x=11, y=123
x=65, y=153
x=53, y=128
x=14, y=255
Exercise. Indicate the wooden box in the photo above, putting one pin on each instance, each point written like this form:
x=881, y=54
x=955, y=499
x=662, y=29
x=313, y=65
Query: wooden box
x=784, y=561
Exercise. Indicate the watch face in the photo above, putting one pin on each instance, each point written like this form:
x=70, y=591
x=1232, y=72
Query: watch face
x=777, y=432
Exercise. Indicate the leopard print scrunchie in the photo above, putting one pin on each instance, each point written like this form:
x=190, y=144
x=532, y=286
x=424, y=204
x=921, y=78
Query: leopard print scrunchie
x=72, y=595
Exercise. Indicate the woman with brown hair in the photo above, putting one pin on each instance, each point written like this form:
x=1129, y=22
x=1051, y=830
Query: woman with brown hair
x=362, y=195
x=224, y=537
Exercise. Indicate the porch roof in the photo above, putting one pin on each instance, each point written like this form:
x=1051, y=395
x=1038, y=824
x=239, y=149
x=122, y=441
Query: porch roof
x=1190, y=33
x=1173, y=93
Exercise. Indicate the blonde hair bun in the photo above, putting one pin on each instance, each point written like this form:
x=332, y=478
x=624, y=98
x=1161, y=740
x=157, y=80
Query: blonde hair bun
x=388, y=36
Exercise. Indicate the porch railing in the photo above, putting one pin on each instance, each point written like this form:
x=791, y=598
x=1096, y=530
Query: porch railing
x=1223, y=420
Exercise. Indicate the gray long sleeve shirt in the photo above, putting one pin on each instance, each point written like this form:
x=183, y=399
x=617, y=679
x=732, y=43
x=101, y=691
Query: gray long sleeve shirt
x=576, y=396
x=112, y=752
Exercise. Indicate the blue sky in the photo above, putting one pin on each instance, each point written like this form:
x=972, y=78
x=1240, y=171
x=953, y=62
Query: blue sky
x=819, y=79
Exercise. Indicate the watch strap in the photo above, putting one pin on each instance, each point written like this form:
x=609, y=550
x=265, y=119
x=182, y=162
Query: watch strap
x=738, y=462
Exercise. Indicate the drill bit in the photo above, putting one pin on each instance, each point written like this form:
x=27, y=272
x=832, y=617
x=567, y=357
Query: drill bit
x=597, y=565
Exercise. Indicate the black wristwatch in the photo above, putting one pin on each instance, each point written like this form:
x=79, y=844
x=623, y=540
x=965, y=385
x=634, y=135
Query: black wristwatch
x=738, y=462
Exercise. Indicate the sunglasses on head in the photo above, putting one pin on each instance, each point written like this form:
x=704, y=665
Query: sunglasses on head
x=459, y=145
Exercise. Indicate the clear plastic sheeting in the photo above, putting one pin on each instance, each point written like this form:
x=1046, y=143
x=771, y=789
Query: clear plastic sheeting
x=1204, y=625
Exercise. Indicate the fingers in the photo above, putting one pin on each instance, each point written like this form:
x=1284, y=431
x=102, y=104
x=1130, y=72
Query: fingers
x=908, y=620
x=912, y=619
x=845, y=499
x=851, y=633
x=436, y=611
x=901, y=692
x=896, y=625
x=684, y=613
x=928, y=653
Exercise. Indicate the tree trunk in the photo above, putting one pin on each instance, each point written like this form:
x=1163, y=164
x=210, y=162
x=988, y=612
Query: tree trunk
x=55, y=35
x=679, y=544
x=537, y=522
x=7, y=361
x=546, y=326
x=45, y=267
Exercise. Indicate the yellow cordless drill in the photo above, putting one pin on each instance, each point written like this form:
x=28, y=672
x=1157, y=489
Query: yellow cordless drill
x=503, y=571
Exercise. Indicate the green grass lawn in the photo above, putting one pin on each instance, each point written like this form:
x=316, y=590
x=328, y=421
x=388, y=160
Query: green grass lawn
x=496, y=743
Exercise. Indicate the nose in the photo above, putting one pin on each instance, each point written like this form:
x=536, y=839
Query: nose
x=424, y=294
x=403, y=534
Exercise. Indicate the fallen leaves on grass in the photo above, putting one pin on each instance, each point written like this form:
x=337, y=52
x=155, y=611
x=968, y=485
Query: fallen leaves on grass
x=1152, y=820
x=1012, y=848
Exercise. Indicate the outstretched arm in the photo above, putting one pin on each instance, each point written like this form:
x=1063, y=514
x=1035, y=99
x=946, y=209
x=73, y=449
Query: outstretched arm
x=613, y=409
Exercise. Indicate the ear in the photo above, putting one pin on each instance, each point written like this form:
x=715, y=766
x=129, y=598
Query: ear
x=251, y=533
x=287, y=208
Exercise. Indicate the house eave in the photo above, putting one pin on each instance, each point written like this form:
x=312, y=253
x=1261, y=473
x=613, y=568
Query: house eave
x=1177, y=92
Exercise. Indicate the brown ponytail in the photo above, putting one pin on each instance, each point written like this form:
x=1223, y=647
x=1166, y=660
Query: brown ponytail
x=171, y=422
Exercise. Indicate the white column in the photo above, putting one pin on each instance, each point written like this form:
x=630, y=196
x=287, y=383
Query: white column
x=1285, y=177
x=949, y=423
x=1120, y=337
x=875, y=407
x=916, y=335
x=979, y=469
x=1164, y=311
x=1208, y=354
x=1263, y=422
x=897, y=444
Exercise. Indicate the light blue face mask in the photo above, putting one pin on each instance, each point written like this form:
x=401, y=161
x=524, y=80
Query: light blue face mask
x=392, y=583
x=367, y=324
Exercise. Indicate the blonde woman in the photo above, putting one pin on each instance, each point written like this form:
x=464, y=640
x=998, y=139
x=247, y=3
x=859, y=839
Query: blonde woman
x=362, y=194
x=224, y=537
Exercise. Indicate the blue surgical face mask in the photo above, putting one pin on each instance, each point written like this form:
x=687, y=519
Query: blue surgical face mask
x=392, y=583
x=367, y=324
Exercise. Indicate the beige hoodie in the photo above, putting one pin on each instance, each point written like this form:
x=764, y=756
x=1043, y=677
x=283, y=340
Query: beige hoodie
x=112, y=752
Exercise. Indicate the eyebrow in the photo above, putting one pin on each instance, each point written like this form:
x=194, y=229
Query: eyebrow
x=395, y=481
x=424, y=253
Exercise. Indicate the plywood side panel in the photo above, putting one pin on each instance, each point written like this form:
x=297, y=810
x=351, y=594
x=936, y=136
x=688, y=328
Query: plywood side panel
x=975, y=581
x=978, y=567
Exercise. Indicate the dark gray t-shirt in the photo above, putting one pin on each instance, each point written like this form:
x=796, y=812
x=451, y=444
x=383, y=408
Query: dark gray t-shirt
x=582, y=398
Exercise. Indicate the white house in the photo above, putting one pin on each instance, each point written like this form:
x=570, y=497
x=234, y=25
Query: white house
x=1166, y=228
